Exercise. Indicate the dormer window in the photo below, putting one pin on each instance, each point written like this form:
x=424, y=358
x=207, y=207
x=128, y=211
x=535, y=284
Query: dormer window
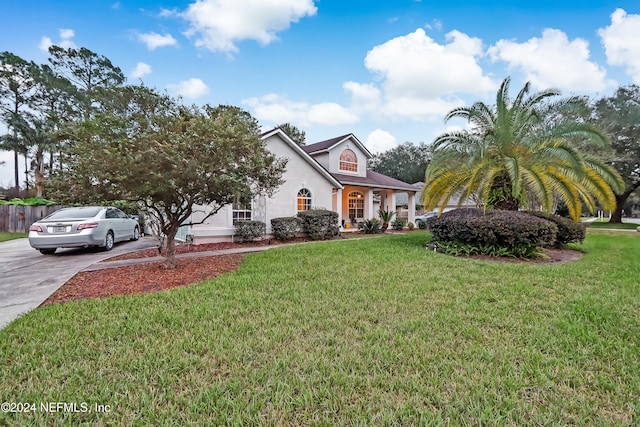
x=348, y=161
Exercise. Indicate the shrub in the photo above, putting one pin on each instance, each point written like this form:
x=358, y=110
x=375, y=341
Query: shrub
x=520, y=232
x=319, y=224
x=385, y=217
x=569, y=231
x=410, y=225
x=422, y=225
x=370, y=226
x=285, y=228
x=248, y=231
x=397, y=224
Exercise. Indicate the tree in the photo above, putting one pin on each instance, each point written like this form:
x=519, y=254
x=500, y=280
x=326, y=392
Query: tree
x=92, y=74
x=619, y=116
x=513, y=153
x=296, y=134
x=17, y=88
x=169, y=158
x=36, y=137
x=406, y=162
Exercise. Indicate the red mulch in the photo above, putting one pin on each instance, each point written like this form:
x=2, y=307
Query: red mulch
x=136, y=279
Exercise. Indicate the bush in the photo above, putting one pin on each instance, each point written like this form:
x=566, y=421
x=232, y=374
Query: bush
x=319, y=224
x=519, y=232
x=397, y=224
x=370, y=226
x=285, y=228
x=569, y=231
x=422, y=225
x=410, y=225
x=248, y=231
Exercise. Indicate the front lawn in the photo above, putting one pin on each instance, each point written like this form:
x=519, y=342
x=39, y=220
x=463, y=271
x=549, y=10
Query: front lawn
x=4, y=236
x=607, y=224
x=359, y=332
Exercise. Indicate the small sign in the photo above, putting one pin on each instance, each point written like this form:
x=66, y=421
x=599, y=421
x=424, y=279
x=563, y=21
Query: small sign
x=188, y=238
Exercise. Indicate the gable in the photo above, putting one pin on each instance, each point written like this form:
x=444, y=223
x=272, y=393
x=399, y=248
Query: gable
x=299, y=161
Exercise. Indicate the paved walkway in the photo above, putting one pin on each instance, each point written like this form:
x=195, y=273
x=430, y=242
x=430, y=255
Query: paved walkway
x=136, y=261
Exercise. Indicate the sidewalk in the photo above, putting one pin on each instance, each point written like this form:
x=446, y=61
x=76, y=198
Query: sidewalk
x=137, y=261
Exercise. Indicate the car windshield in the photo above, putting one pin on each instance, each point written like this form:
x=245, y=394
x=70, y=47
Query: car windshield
x=74, y=213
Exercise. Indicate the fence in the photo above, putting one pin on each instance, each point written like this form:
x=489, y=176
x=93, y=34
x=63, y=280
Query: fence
x=18, y=219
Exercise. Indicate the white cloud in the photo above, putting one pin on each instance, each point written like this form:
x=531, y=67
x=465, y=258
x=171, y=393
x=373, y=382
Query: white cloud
x=65, y=42
x=279, y=109
x=553, y=61
x=192, y=88
x=155, y=40
x=380, y=140
x=620, y=40
x=219, y=24
x=141, y=70
x=419, y=78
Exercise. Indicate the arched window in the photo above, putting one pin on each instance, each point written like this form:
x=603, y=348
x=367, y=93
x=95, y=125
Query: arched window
x=304, y=200
x=348, y=161
x=356, y=205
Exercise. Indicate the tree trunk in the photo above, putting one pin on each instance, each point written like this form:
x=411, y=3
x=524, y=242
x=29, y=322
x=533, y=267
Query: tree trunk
x=16, y=162
x=621, y=199
x=502, y=189
x=169, y=252
x=39, y=172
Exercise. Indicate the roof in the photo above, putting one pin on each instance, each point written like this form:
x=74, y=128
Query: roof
x=328, y=144
x=403, y=198
x=310, y=160
x=376, y=180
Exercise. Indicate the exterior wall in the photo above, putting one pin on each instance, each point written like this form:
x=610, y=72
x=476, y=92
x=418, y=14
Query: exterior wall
x=299, y=174
x=331, y=161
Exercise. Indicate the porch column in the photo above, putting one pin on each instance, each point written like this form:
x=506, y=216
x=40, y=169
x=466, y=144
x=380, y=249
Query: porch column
x=391, y=201
x=411, y=207
x=337, y=204
x=369, y=213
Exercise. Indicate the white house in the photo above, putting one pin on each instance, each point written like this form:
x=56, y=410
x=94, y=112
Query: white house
x=330, y=174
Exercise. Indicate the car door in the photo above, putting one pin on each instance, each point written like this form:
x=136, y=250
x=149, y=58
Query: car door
x=122, y=225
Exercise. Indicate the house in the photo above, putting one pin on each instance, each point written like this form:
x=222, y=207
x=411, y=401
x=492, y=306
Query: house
x=402, y=203
x=330, y=174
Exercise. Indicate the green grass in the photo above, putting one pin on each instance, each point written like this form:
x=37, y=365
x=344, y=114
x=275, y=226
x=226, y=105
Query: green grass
x=623, y=226
x=4, y=236
x=360, y=332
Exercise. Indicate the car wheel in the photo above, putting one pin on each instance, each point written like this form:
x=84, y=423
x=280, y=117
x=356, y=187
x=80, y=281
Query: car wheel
x=108, y=241
x=136, y=234
x=48, y=251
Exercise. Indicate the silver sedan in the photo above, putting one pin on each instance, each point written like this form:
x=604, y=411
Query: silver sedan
x=82, y=227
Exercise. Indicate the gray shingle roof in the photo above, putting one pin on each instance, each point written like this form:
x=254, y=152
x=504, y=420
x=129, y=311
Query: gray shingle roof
x=374, y=179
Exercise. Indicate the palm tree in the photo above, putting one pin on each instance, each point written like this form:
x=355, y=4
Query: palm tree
x=517, y=151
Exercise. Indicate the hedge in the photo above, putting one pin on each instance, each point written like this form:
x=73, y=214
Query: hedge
x=569, y=231
x=319, y=224
x=248, y=231
x=285, y=228
x=498, y=228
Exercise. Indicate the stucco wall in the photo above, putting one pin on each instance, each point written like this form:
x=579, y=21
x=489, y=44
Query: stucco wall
x=299, y=174
x=334, y=158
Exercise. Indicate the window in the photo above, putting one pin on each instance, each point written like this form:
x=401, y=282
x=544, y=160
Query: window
x=241, y=209
x=348, y=161
x=356, y=205
x=304, y=200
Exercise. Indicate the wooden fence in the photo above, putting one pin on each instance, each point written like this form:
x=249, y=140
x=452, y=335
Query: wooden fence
x=18, y=219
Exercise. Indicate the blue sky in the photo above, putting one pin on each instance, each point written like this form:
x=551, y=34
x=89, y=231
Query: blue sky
x=388, y=71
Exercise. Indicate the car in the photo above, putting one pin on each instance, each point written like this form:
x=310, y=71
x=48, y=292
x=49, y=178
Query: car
x=425, y=216
x=82, y=227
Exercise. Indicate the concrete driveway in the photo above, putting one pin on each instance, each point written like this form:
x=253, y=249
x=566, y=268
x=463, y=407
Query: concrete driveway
x=28, y=278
